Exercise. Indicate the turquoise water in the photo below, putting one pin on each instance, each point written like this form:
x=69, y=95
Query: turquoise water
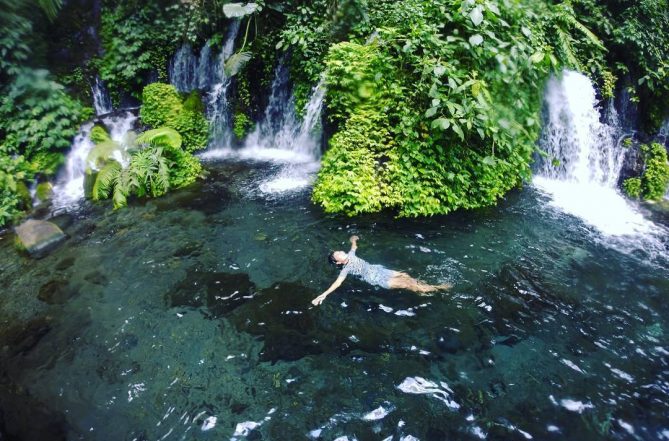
x=189, y=317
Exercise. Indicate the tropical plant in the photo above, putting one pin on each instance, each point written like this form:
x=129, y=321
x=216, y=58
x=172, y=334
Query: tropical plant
x=163, y=106
x=39, y=120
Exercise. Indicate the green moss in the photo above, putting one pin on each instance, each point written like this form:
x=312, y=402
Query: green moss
x=99, y=135
x=44, y=191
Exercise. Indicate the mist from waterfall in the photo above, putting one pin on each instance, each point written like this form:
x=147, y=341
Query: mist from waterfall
x=584, y=160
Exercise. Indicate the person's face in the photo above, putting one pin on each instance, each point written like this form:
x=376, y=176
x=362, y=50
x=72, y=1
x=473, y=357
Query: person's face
x=340, y=257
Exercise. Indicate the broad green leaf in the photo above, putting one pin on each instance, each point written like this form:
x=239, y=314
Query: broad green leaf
x=441, y=123
x=489, y=160
x=236, y=63
x=439, y=70
x=537, y=57
x=475, y=39
x=235, y=10
x=161, y=136
x=476, y=15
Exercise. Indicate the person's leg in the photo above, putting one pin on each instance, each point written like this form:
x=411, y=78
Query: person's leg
x=404, y=281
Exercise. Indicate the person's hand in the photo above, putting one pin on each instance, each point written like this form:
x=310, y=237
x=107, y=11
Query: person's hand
x=354, y=238
x=318, y=300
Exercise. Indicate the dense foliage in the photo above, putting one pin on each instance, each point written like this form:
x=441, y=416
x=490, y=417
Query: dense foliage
x=432, y=105
x=157, y=164
x=163, y=106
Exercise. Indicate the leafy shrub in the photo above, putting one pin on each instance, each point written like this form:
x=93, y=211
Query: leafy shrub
x=162, y=106
x=13, y=193
x=356, y=174
x=655, y=178
x=38, y=120
x=158, y=166
x=136, y=44
x=459, y=86
x=242, y=125
x=632, y=187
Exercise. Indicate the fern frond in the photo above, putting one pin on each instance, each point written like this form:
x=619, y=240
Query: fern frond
x=564, y=42
x=106, y=180
x=585, y=31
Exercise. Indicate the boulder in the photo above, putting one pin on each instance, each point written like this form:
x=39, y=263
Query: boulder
x=37, y=237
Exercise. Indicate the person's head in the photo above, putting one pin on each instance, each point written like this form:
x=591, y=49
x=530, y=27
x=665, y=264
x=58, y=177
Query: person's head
x=338, y=258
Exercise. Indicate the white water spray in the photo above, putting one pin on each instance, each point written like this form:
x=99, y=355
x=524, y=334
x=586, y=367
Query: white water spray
x=584, y=160
x=69, y=189
x=101, y=100
x=281, y=138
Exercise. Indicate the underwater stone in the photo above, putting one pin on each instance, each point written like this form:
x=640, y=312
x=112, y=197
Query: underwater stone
x=56, y=292
x=65, y=263
x=96, y=278
x=38, y=237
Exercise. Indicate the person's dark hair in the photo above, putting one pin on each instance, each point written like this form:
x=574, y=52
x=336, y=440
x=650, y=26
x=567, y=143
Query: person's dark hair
x=332, y=259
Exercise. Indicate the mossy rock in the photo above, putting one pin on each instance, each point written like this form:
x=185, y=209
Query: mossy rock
x=44, y=191
x=105, y=152
x=37, y=237
x=99, y=135
x=89, y=181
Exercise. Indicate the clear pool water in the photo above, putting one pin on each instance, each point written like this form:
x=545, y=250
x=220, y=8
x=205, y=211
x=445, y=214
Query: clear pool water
x=189, y=318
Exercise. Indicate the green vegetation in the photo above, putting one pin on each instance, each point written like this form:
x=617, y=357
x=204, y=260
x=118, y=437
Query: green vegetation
x=156, y=165
x=432, y=105
x=653, y=183
x=163, y=106
x=655, y=177
x=632, y=187
x=241, y=125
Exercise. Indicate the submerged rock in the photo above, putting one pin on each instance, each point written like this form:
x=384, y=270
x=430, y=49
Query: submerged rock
x=56, y=292
x=38, y=237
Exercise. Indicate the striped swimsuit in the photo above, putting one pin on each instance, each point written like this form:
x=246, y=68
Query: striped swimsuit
x=373, y=274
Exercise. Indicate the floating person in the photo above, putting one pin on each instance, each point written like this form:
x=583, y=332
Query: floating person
x=373, y=274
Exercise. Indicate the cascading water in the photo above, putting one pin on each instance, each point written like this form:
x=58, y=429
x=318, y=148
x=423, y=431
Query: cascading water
x=584, y=160
x=183, y=69
x=218, y=108
x=69, y=189
x=281, y=138
x=101, y=100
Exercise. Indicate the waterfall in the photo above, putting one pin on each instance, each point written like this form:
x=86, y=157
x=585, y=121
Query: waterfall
x=101, y=100
x=584, y=159
x=183, y=68
x=280, y=133
x=282, y=139
x=69, y=188
x=218, y=108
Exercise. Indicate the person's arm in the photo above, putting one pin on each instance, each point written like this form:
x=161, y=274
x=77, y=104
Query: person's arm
x=354, y=243
x=337, y=283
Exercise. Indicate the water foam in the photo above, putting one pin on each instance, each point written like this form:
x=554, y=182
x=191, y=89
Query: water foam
x=583, y=166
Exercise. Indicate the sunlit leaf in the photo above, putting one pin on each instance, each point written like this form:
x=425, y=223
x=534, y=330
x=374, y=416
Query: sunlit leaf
x=475, y=39
x=235, y=10
x=476, y=15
